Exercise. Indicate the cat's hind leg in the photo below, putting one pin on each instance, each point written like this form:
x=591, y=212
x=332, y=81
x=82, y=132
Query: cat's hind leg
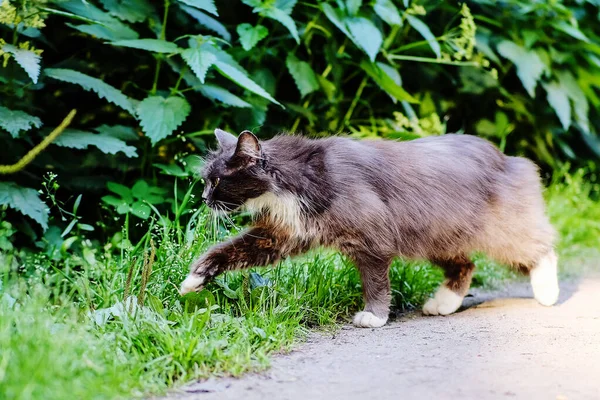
x=544, y=279
x=449, y=296
x=374, y=273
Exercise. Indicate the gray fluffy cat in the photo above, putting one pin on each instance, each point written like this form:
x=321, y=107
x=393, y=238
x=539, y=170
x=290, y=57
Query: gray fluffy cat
x=438, y=199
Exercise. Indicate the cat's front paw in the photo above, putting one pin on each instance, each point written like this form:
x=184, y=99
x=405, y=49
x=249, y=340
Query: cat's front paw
x=193, y=283
x=444, y=302
x=365, y=319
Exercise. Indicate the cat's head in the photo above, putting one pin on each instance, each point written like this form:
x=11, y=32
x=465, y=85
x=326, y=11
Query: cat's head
x=235, y=172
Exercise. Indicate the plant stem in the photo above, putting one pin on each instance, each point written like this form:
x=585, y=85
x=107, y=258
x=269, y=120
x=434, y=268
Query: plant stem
x=390, y=39
x=33, y=153
x=417, y=44
x=159, y=57
x=433, y=60
x=359, y=91
x=181, y=73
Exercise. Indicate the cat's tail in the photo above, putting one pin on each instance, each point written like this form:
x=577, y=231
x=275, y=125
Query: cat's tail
x=518, y=231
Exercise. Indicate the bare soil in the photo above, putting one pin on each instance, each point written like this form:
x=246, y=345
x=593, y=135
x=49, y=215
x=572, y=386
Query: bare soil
x=502, y=345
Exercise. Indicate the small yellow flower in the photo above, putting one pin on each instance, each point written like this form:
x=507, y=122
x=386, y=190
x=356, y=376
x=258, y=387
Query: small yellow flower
x=462, y=39
x=27, y=46
x=415, y=9
x=8, y=13
x=28, y=14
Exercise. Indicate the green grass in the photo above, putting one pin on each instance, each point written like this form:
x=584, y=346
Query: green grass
x=66, y=331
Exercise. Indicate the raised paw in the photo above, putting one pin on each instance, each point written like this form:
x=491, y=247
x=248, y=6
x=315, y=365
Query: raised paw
x=193, y=283
x=444, y=302
x=366, y=319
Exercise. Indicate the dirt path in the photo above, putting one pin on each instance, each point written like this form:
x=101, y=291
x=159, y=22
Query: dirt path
x=504, y=346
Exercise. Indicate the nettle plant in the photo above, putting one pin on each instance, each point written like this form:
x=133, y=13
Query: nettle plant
x=161, y=77
x=547, y=55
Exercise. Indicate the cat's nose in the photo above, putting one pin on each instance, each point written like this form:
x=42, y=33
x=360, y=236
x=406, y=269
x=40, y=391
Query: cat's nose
x=205, y=193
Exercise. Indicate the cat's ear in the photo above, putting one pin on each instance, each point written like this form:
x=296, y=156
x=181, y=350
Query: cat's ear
x=248, y=147
x=225, y=139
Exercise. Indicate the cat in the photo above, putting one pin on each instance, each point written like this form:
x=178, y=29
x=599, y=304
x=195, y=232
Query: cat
x=435, y=198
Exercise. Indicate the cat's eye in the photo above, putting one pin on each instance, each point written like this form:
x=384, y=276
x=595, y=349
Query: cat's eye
x=215, y=182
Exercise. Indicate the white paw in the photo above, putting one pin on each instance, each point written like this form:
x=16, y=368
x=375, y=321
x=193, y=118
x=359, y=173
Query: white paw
x=544, y=280
x=444, y=302
x=365, y=319
x=192, y=283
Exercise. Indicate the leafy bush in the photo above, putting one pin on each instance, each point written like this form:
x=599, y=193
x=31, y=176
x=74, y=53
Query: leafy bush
x=151, y=81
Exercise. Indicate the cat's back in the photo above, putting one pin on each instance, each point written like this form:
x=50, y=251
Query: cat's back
x=449, y=147
x=442, y=158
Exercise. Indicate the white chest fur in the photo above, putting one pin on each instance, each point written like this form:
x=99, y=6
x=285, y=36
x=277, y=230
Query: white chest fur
x=283, y=210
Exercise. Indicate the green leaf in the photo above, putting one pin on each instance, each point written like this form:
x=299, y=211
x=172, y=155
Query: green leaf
x=105, y=32
x=385, y=82
x=140, y=210
x=103, y=90
x=581, y=106
x=304, y=76
x=217, y=93
x=140, y=189
x=206, y=5
x=15, y=121
x=199, y=60
x=155, y=303
x=482, y=43
x=529, y=64
x=252, y=3
x=211, y=91
x=424, y=30
x=123, y=208
x=109, y=27
x=238, y=77
x=196, y=301
x=387, y=11
x=365, y=34
x=77, y=139
x=172, y=169
x=353, y=6
x=559, y=100
x=251, y=35
x=154, y=45
x=571, y=30
x=86, y=227
x=279, y=11
x=287, y=6
x=336, y=17
x=67, y=14
x=283, y=18
x=208, y=22
x=159, y=117
x=121, y=190
x=118, y=131
x=114, y=201
x=27, y=59
x=129, y=10
x=24, y=200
